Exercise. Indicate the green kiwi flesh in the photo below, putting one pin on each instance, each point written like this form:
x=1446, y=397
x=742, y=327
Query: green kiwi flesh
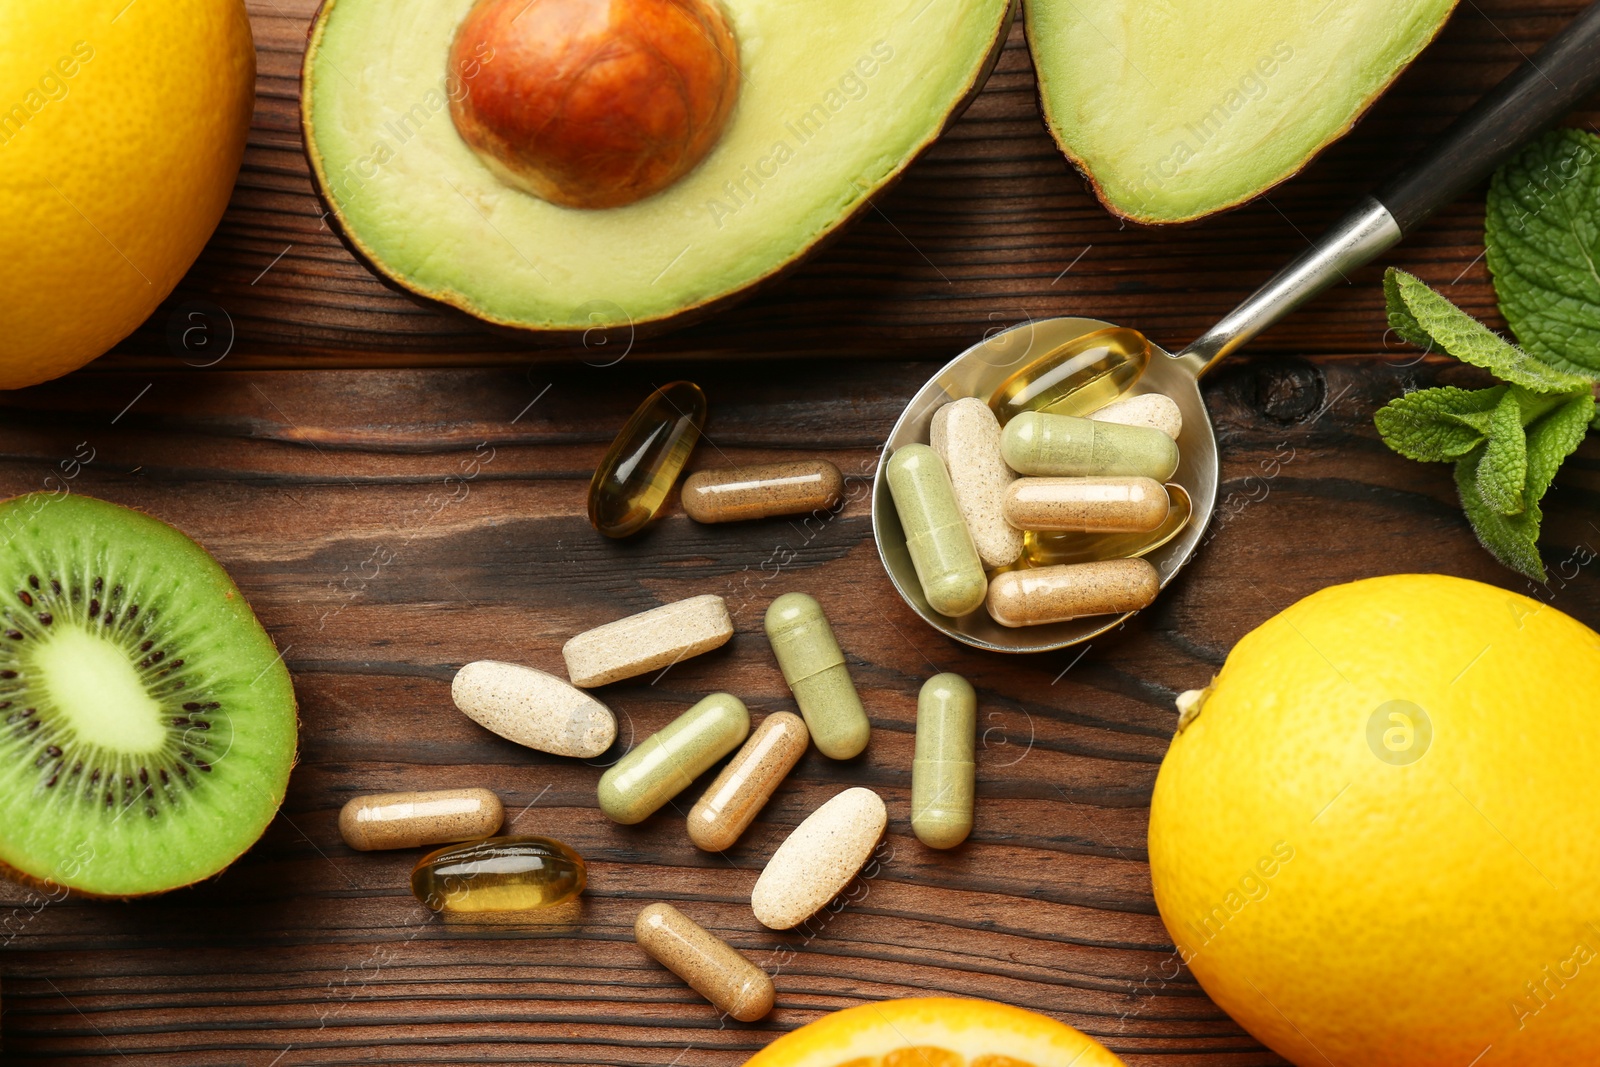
x=147, y=722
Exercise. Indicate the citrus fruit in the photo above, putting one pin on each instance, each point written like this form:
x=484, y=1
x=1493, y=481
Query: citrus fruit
x=1374, y=838
x=935, y=1032
x=122, y=125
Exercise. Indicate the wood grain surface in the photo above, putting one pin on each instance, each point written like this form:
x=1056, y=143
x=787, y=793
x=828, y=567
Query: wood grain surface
x=390, y=524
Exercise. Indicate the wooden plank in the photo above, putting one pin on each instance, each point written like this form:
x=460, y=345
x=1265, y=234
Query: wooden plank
x=391, y=525
x=989, y=229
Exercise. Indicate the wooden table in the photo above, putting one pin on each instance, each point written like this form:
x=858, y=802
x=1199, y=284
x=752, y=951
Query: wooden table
x=394, y=522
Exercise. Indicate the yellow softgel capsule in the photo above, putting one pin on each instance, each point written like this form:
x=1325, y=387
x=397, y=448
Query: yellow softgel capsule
x=639, y=469
x=1081, y=376
x=498, y=875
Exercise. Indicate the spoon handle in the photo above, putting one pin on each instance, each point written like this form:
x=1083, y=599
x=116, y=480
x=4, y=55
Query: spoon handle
x=1537, y=93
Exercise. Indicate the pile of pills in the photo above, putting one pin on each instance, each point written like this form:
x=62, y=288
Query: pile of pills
x=480, y=872
x=967, y=515
x=1040, y=504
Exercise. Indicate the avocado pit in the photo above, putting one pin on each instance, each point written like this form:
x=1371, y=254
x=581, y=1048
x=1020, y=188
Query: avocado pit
x=594, y=103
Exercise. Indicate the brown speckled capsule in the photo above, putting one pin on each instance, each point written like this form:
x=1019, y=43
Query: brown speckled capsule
x=1090, y=505
x=736, y=493
x=406, y=820
x=1056, y=594
x=711, y=966
x=747, y=782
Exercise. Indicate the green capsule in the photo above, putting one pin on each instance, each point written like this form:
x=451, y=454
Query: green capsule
x=943, y=770
x=669, y=760
x=815, y=669
x=1067, y=446
x=941, y=547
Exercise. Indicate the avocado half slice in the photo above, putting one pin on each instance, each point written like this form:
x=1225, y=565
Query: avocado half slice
x=1179, y=109
x=835, y=98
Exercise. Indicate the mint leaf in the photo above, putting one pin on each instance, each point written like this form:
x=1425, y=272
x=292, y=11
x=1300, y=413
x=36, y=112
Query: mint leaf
x=1512, y=539
x=1438, y=425
x=1551, y=440
x=1401, y=321
x=1503, y=467
x=1509, y=538
x=1417, y=312
x=1542, y=232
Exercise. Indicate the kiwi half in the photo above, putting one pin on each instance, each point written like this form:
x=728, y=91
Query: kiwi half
x=147, y=722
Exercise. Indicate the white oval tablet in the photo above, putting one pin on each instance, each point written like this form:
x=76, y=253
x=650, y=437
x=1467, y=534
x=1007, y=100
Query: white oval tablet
x=817, y=860
x=533, y=708
x=647, y=641
x=1157, y=411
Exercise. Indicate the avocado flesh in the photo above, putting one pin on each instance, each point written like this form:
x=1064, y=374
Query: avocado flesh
x=1177, y=110
x=836, y=100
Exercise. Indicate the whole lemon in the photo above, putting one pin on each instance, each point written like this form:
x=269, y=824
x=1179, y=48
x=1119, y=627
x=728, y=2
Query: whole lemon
x=122, y=125
x=1376, y=837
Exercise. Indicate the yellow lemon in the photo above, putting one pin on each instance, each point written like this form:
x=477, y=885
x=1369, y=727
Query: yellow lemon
x=935, y=1032
x=122, y=124
x=1376, y=837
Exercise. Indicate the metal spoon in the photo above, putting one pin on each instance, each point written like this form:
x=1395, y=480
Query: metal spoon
x=1538, y=93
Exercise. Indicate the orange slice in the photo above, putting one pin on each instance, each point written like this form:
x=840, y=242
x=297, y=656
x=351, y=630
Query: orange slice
x=935, y=1032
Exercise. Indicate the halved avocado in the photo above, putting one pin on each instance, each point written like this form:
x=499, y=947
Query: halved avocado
x=1179, y=109
x=837, y=98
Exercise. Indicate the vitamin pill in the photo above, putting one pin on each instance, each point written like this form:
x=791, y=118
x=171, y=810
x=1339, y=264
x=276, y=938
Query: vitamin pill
x=941, y=548
x=966, y=435
x=534, y=709
x=669, y=760
x=736, y=493
x=647, y=641
x=1066, y=446
x=500, y=874
x=747, y=782
x=711, y=966
x=943, y=769
x=1154, y=410
x=1042, y=549
x=813, y=665
x=1086, y=373
x=818, y=859
x=1096, y=505
x=645, y=459
x=1056, y=594
x=406, y=820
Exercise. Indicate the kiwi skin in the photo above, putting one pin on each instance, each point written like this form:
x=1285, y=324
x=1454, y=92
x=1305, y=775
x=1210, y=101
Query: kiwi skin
x=39, y=500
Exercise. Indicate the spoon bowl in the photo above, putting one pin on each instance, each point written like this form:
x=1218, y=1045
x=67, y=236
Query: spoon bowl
x=978, y=372
x=1537, y=93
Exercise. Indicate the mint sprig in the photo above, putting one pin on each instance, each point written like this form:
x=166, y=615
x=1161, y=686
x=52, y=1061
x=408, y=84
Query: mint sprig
x=1508, y=441
x=1542, y=232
